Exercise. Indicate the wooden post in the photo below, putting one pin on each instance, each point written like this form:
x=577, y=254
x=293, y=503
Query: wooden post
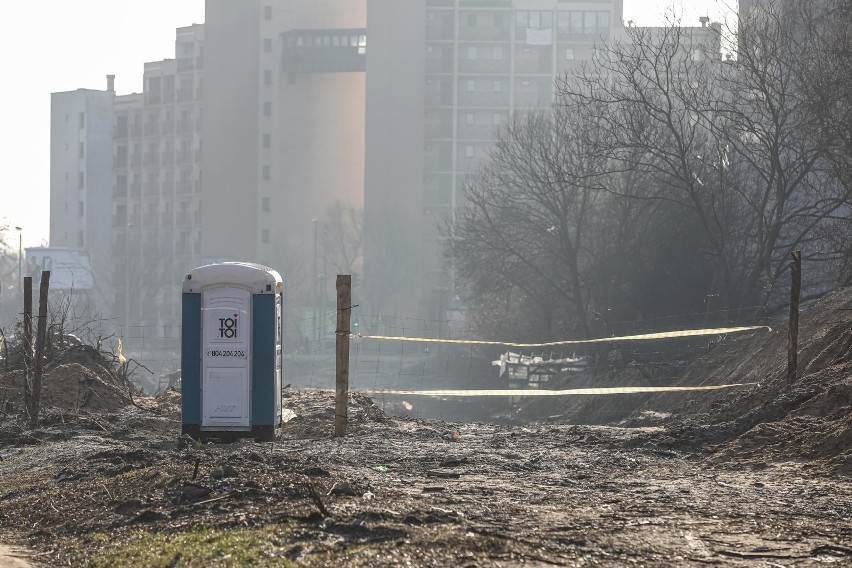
x=41, y=336
x=28, y=341
x=793, y=334
x=344, y=316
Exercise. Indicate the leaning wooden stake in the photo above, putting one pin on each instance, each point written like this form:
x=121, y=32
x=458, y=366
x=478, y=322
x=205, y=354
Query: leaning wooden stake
x=28, y=341
x=795, y=294
x=41, y=337
x=344, y=315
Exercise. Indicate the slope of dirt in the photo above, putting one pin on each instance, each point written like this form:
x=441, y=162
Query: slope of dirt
x=806, y=420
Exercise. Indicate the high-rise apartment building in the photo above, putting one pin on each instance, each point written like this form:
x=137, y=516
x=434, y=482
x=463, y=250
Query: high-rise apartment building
x=157, y=184
x=283, y=123
x=81, y=177
x=442, y=75
x=252, y=130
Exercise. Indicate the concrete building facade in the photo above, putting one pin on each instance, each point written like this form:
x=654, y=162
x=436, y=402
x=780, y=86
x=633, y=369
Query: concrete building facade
x=442, y=75
x=157, y=184
x=284, y=124
x=81, y=177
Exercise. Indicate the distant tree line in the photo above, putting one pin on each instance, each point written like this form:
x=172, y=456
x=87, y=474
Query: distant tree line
x=667, y=179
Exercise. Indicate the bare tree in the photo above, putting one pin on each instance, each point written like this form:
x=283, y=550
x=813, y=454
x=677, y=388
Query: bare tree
x=725, y=140
x=524, y=228
x=342, y=238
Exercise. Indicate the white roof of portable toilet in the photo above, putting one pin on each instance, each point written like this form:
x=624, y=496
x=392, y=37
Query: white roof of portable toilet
x=256, y=277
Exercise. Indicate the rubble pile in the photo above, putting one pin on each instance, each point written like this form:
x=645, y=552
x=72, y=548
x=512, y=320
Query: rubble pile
x=76, y=376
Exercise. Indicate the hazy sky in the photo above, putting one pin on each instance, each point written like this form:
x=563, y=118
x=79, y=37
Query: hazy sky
x=62, y=45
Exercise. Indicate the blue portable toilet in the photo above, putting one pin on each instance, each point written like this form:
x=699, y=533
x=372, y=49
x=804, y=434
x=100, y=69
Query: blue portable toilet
x=231, y=351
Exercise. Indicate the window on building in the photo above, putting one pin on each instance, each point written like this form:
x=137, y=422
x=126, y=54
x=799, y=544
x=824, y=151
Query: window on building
x=267, y=141
x=498, y=52
x=471, y=52
x=469, y=118
x=603, y=22
x=496, y=119
x=536, y=19
x=569, y=53
x=469, y=151
x=267, y=77
x=590, y=22
x=267, y=12
x=498, y=20
x=81, y=180
x=266, y=174
x=267, y=109
x=82, y=150
x=82, y=120
x=81, y=208
x=264, y=236
x=576, y=24
x=471, y=85
x=471, y=20
x=498, y=86
x=81, y=241
x=265, y=205
x=267, y=45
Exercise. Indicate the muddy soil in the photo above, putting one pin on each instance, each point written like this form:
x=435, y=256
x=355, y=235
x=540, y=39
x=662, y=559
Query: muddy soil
x=401, y=492
x=756, y=476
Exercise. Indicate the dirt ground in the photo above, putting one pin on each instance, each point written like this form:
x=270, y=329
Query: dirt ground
x=399, y=492
x=758, y=476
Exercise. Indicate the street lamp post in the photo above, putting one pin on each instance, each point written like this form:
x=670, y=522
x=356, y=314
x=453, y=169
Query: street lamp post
x=314, y=285
x=20, y=260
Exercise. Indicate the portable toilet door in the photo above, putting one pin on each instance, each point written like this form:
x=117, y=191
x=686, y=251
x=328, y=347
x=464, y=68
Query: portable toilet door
x=226, y=358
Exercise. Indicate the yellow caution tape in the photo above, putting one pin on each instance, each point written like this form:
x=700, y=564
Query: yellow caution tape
x=641, y=337
x=540, y=392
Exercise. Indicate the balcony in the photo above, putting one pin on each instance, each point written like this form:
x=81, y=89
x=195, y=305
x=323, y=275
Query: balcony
x=534, y=60
x=485, y=65
x=185, y=64
x=438, y=124
x=476, y=131
x=119, y=189
x=439, y=59
x=184, y=126
x=484, y=99
x=440, y=26
x=484, y=33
